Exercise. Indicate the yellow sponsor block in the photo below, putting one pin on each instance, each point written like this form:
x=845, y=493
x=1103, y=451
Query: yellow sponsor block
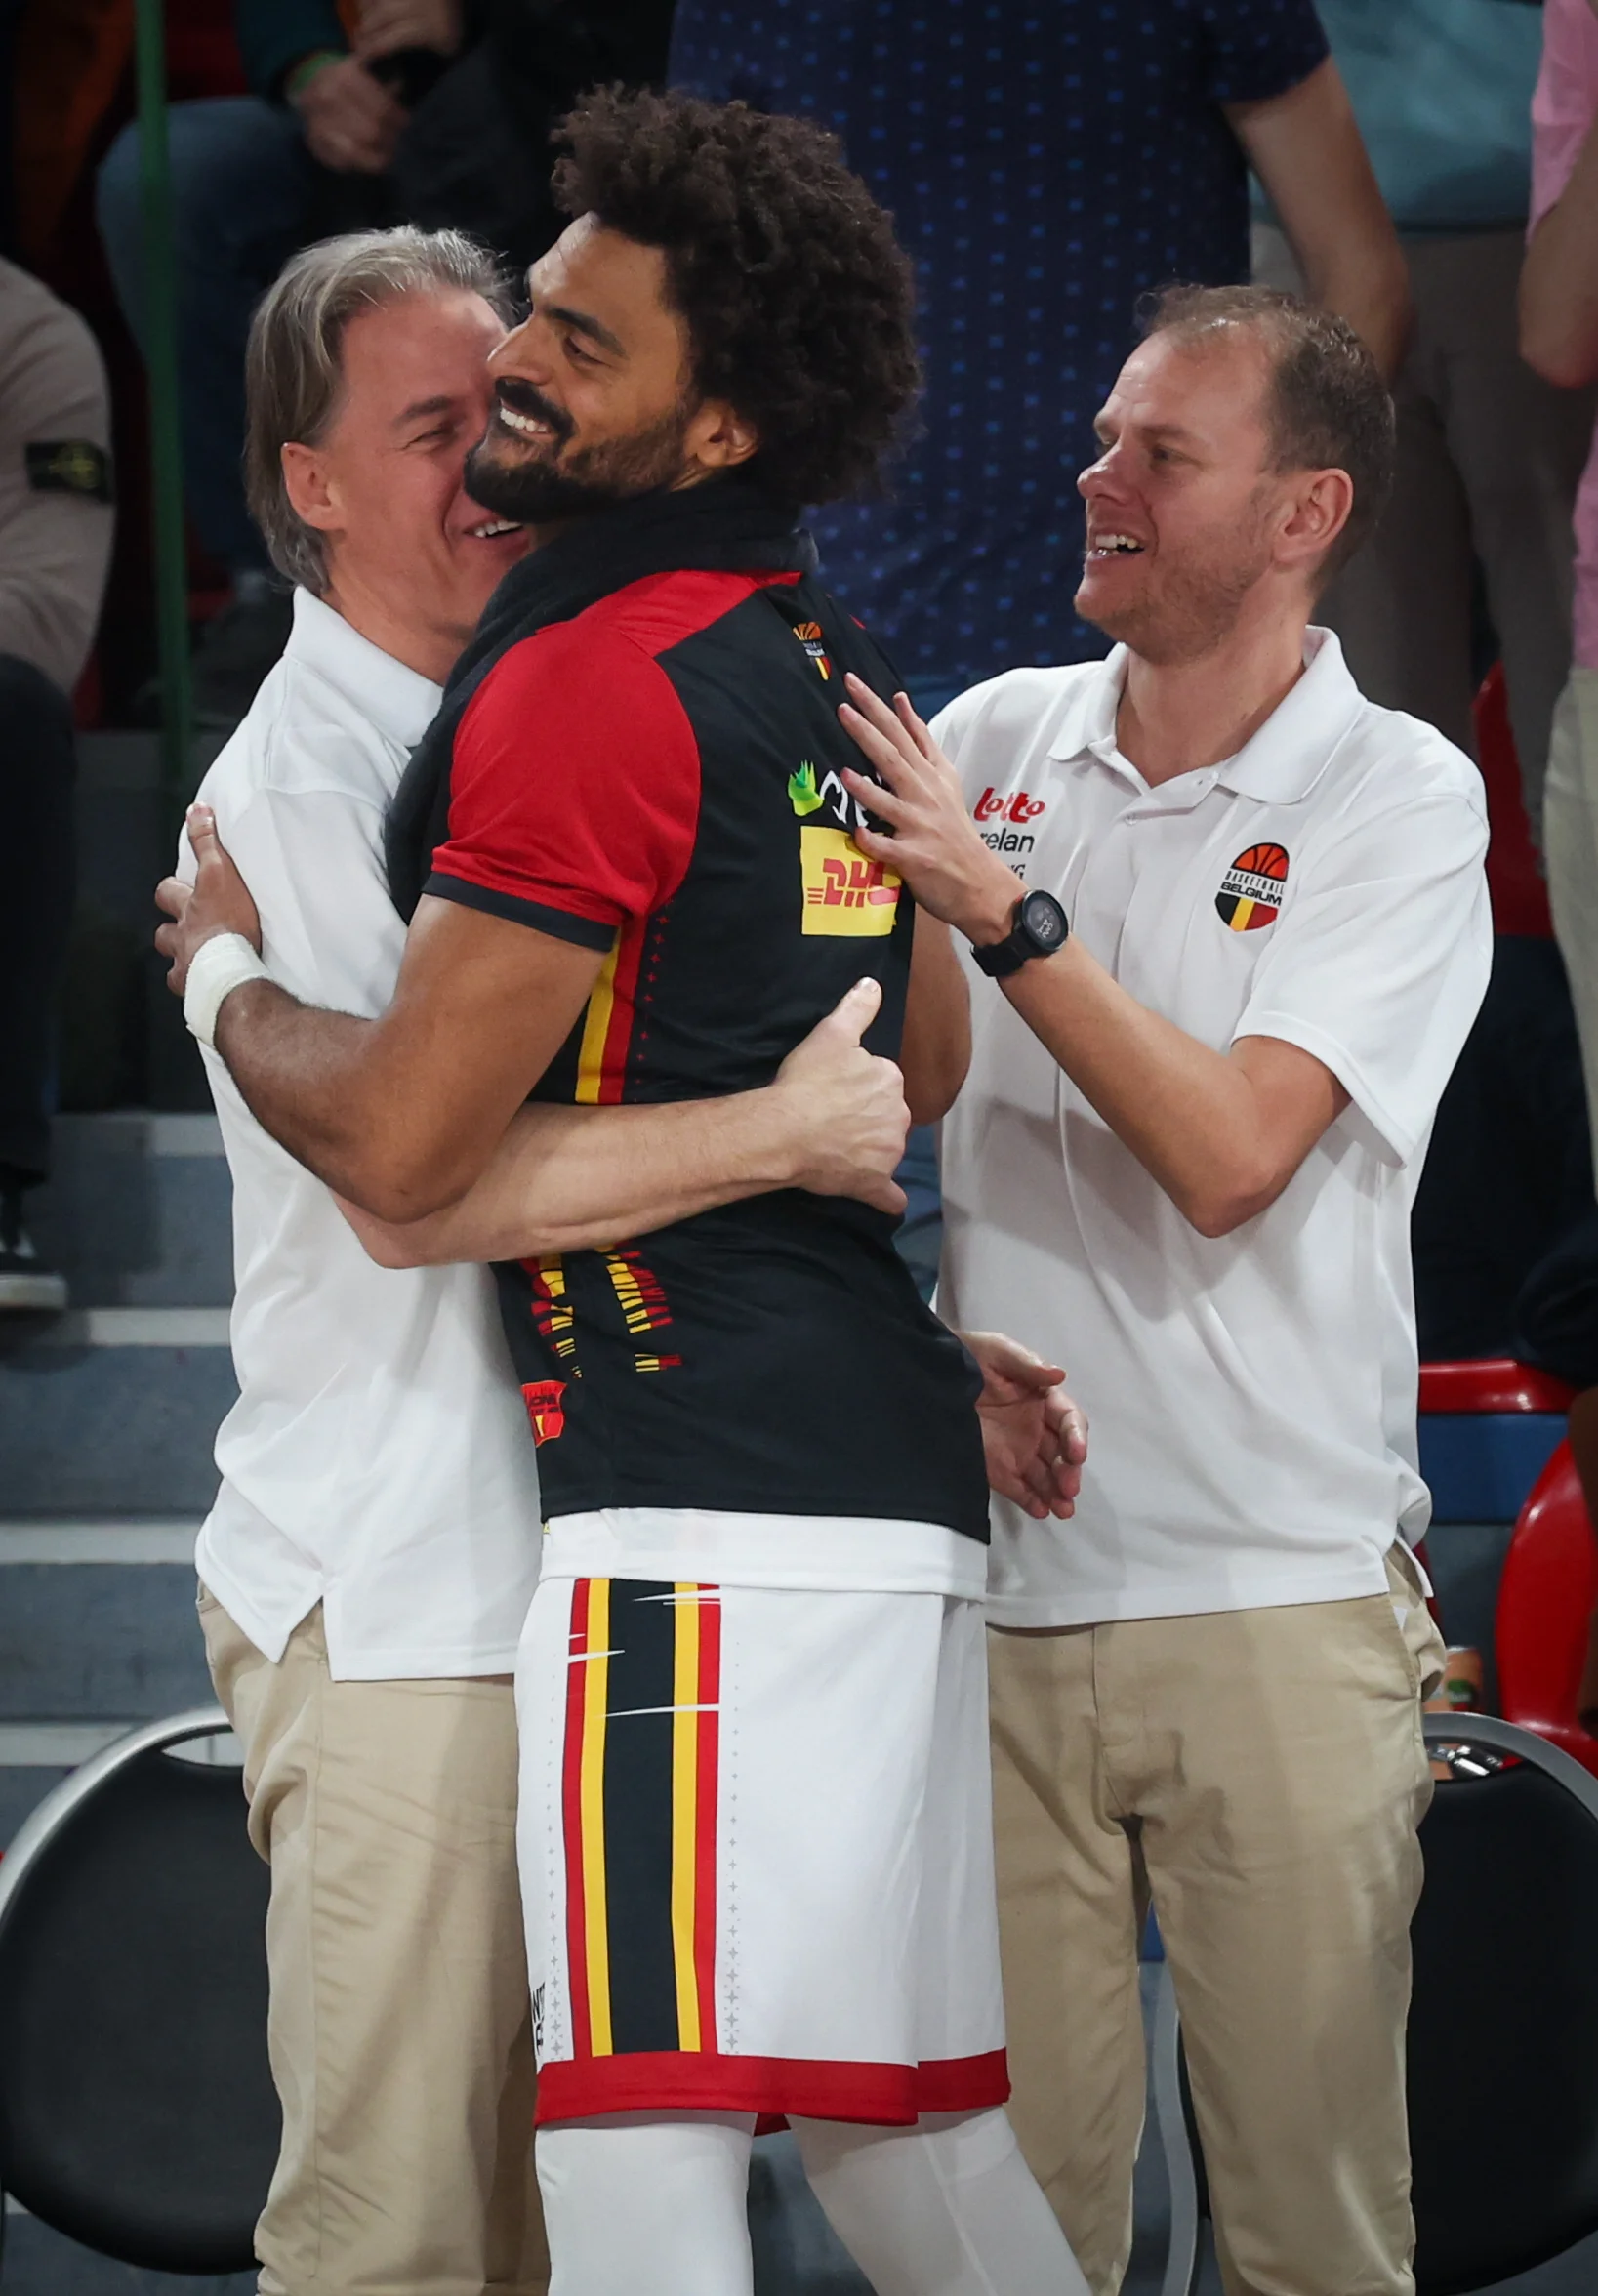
x=844, y=891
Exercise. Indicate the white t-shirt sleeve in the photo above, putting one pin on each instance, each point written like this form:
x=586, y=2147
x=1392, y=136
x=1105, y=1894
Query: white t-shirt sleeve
x=1379, y=961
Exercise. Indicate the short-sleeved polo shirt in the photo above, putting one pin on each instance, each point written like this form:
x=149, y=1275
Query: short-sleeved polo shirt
x=1045, y=165
x=1251, y=1396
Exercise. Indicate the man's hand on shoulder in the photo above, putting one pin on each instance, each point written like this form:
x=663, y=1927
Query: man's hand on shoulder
x=1034, y=1437
x=219, y=901
x=841, y=1109
x=932, y=841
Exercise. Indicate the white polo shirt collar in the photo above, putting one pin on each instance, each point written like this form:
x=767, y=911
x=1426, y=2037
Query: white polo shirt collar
x=1279, y=765
x=398, y=702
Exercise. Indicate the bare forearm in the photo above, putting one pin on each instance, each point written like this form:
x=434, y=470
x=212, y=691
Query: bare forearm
x=1559, y=281
x=302, y=1072
x=1368, y=284
x=571, y=1179
x=1306, y=149
x=936, y=1050
x=1190, y=1115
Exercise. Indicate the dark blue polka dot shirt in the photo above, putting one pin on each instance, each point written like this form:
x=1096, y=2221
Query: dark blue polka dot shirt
x=1045, y=161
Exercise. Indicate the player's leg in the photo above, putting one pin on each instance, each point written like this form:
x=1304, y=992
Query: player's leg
x=946, y=2208
x=641, y=2201
x=1070, y=1909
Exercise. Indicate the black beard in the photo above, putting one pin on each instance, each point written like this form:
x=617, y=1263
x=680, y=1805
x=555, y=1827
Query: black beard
x=538, y=493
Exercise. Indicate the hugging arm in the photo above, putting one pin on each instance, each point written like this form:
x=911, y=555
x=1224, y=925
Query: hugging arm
x=567, y=1179
x=410, y=1119
x=399, y=1115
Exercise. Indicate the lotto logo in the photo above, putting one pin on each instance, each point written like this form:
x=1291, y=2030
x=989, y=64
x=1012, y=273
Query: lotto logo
x=543, y=1397
x=844, y=893
x=1018, y=808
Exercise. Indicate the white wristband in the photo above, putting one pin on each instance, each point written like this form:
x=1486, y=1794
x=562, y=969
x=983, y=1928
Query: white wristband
x=217, y=968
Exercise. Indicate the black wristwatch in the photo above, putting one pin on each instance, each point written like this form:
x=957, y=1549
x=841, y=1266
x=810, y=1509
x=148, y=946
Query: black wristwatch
x=1039, y=927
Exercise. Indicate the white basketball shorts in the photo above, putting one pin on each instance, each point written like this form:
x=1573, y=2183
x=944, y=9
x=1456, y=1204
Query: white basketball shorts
x=757, y=1851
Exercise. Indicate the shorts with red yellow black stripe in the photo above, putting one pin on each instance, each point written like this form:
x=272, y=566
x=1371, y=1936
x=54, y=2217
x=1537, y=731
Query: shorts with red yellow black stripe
x=757, y=1855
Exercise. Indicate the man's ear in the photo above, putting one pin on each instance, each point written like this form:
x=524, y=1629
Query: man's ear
x=719, y=439
x=306, y=483
x=1323, y=501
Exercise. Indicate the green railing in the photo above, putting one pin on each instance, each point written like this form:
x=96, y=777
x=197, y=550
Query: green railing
x=160, y=331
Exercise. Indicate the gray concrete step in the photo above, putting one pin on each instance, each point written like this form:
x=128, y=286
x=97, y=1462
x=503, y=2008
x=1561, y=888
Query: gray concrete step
x=138, y=1210
x=99, y=1643
x=112, y=1411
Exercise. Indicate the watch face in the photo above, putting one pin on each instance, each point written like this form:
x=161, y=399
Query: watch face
x=1042, y=920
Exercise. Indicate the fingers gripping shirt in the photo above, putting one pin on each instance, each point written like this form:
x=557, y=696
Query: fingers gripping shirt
x=660, y=777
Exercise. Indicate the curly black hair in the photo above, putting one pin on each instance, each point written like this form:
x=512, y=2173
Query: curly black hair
x=799, y=301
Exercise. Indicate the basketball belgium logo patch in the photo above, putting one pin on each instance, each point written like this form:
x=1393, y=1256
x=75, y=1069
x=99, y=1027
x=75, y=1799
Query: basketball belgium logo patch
x=1251, y=891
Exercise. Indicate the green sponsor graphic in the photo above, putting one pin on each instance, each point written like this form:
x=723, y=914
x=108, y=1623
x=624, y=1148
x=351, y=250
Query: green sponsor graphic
x=803, y=792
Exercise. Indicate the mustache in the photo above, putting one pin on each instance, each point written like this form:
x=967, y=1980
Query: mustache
x=524, y=399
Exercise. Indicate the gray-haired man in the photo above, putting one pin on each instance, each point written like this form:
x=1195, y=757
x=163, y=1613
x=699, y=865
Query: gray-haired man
x=370, y=1558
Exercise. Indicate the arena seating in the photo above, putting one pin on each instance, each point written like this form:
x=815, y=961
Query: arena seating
x=1547, y=1596
x=1504, y=2034
x=1487, y=1431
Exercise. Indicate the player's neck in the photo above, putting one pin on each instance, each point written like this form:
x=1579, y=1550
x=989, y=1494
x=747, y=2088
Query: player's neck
x=1180, y=716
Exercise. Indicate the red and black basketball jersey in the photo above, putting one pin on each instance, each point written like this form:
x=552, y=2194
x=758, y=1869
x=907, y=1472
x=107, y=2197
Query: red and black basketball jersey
x=659, y=777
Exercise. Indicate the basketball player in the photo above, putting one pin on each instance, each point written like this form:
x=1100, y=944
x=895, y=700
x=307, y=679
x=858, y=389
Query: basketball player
x=754, y=1800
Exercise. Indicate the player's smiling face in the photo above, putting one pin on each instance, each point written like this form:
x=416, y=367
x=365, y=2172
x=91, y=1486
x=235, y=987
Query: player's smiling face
x=386, y=483
x=1180, y=502
x=594, y=398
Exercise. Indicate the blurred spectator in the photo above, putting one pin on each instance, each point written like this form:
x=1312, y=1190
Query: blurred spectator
x=1044, y=167
x=1488, y=454
x=55, y=546
x=436, y=114
x=1558, y=337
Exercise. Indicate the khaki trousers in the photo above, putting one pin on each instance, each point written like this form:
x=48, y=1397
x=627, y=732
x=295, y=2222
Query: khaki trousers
x=398, y=2025
x=1260, y=1774
x=1570, y=819
x=1488, y=456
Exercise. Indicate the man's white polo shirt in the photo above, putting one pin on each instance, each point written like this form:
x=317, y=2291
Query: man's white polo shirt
x=1251, y=1398
x=379, y=1458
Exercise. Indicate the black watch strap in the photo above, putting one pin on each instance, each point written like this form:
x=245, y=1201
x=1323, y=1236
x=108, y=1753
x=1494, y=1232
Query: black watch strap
x=1038, y=926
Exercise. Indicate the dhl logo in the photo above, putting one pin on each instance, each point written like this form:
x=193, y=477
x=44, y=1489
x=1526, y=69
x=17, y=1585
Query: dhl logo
x=844, y=893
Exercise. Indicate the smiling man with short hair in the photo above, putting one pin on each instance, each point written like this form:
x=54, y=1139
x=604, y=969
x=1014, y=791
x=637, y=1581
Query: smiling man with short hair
x=1228, y=979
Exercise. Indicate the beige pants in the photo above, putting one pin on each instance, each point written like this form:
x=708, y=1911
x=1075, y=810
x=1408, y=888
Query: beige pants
x=1488, y=456
x=1261, y=1773
x=399, y=2024
x=1570, y=821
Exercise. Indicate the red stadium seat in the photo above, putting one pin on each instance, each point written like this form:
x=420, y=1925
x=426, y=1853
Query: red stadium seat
x=1545, y=1599
x=1497, y=1384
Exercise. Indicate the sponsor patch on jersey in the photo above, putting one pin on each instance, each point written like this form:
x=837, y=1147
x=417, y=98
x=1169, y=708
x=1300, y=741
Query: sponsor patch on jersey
x=844, y=893
x=1251, y=891
x=810, y=636
x=544, y=1399
x=68, y=466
